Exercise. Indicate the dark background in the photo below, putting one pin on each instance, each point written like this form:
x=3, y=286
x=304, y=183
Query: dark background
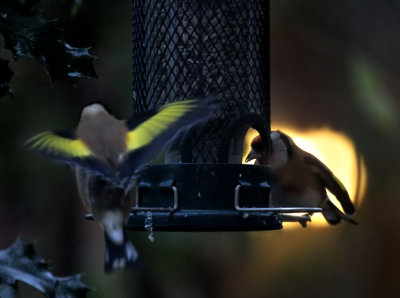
x=334, y=63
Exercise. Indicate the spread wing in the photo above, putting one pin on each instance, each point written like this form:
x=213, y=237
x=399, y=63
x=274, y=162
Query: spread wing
x=149, y=135
x=66, y=148
x=58, y=144
x=331, y=182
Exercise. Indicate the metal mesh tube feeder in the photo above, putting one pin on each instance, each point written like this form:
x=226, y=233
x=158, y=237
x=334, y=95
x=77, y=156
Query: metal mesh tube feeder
x=195, y=48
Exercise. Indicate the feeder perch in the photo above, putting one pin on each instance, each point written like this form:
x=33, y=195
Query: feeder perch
x=186, y=49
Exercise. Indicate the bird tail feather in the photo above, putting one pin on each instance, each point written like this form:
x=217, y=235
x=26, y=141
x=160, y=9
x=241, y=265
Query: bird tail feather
x=119, y=256
x=333, y=215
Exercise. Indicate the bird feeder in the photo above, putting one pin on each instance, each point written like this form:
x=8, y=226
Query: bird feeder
x=186, y=49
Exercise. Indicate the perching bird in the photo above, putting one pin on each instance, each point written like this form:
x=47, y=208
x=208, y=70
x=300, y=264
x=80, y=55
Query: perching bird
x=299, y=179
x=107, y=153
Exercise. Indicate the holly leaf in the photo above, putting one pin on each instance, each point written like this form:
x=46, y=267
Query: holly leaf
x=27, y=33
x=5, y=77
x=19, y=262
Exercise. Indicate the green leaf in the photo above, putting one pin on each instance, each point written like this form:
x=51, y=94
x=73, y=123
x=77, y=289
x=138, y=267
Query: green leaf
x=19, y=262
x=26, y=33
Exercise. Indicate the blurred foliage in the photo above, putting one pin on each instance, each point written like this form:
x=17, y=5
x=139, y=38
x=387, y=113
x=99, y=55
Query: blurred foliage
x=5, y=76
x=317, y=79
x=26, y=33
x=373, y=96
x=19, y=262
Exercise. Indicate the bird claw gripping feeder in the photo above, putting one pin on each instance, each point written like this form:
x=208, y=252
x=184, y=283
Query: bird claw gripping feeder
x=191, y=49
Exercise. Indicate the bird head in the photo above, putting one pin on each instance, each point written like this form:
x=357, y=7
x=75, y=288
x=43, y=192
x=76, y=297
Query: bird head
x=95, y=109
x=256, y=151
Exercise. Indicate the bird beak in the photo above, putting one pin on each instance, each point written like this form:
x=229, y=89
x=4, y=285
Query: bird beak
x=250, y=156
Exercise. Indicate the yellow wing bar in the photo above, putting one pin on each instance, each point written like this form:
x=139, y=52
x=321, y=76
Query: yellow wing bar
x=147, y=131
x=51, y=143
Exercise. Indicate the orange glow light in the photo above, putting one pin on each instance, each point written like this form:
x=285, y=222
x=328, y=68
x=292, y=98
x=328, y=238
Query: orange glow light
x=337, y=152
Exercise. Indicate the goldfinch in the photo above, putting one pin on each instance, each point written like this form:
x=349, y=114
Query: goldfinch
x=299, y=179
x=106, y=154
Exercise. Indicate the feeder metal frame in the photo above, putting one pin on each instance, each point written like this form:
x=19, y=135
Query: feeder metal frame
x=193, y=49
